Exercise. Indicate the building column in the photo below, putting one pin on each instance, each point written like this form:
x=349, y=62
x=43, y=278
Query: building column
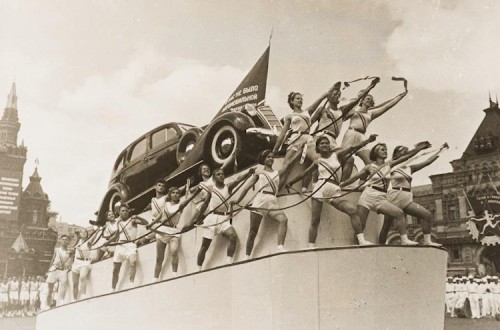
x=439, y=209
x=462, y=207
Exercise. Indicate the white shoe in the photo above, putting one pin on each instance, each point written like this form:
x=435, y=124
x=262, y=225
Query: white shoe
x=174, y=274
x=432, y=244
x=247, y=257
x=156, y=279
x=281, y=248
x=409, y=242
x=365, y=243
x=311, y=246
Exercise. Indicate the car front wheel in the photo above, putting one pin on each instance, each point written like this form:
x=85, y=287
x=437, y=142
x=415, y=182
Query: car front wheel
x=225, y=142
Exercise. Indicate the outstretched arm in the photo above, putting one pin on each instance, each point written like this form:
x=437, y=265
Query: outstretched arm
x=246, y=188
x=363, y=174
x=240, y=178
x=312, y=108
x=428, y=161
x=346, y=109
x=380, y=110
x=345, y=153
x=418, y=147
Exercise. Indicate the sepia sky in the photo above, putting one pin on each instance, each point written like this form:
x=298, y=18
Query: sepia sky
x=92, y=76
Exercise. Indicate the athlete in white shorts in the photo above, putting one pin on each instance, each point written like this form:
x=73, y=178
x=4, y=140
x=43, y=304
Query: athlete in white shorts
x=217, y=221
x=400, y=194
x=58, y=271
x=82, y=264
x=327, y=189
x=374, y=196
x=4, y=296
x=126, y=250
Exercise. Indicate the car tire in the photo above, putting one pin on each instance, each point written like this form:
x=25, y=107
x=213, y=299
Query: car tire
x=109, y=202
x=224, y=144
x=186, y=143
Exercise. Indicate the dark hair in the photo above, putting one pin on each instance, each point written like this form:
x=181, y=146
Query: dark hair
x=217, y=169
x=262, y=156
x=291, y=96
x=318, y=141
x=124, y=205
x=373, y=155
x=396, y=150
x=168, y=199
x=161, y=181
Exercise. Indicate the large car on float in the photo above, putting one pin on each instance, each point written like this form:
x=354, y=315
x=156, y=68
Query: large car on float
x=174, y=151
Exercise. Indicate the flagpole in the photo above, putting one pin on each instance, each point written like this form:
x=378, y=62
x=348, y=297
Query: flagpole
x=493, y=185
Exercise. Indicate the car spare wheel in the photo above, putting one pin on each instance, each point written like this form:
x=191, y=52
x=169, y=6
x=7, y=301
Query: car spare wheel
x=115, y=200
x=187, y=143
x=224, y=144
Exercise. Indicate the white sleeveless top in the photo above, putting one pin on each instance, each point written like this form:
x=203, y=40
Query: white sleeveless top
x=157, y=206
x=83, y=251
x=217, y=202
x=401, y=177
x=110, y=229
x=128, y=232
x=360, y=121
x=331, y=120
x=329, y=168
x=381, y=179
x=169, y=210
x=62, y=259
x=268, y=182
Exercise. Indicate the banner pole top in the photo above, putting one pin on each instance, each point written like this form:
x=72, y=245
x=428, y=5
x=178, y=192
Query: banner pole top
x=271, y=35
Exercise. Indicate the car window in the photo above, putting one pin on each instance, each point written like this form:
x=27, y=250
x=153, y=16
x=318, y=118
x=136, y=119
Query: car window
x=162, y=136
x=119, y=163
x=138, y=149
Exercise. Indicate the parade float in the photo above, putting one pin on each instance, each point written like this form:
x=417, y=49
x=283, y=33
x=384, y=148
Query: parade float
x=337, y=285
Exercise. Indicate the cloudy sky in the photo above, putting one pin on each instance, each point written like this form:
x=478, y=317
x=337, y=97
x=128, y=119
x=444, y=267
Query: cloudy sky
x=92, y=76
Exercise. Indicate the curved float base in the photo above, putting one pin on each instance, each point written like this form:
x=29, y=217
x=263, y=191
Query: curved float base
x=376, y=287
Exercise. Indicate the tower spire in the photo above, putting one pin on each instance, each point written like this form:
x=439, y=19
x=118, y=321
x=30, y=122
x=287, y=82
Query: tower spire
x=492, y=104
x=9, y=124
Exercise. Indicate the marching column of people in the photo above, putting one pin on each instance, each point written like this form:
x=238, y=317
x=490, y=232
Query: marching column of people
x=386, y=190
x=473, y=297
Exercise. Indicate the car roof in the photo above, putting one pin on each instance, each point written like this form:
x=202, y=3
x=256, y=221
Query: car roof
x=153, y=130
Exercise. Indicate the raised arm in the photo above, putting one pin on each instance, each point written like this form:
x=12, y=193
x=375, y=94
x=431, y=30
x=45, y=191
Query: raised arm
x=246, y=188
x=380, y=110
x=417, y=167
x=283, y=133
x=312, y=108
x=418, y=147
x=344, y=153
x=347, y=108
x=240, y=178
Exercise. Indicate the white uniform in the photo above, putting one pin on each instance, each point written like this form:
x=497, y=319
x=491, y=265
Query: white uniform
x=24, y=292
x=215, y=221
x=462, y=294
x=400, y=193
x=450, y=298
x=267, y=187
x=472, y=288
x=128, y=233
x=58, y=271
x=33, y=291
x=327, y=186
x=357, y=129
x=205, y=190
x=330, y=124
x=14, y=291
x=44, y=292
x=108, y=231
x=82, y=258
x=299, y=125
x=495, y=302
x=375, y=194
x=4, y=293
x=169, y=229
